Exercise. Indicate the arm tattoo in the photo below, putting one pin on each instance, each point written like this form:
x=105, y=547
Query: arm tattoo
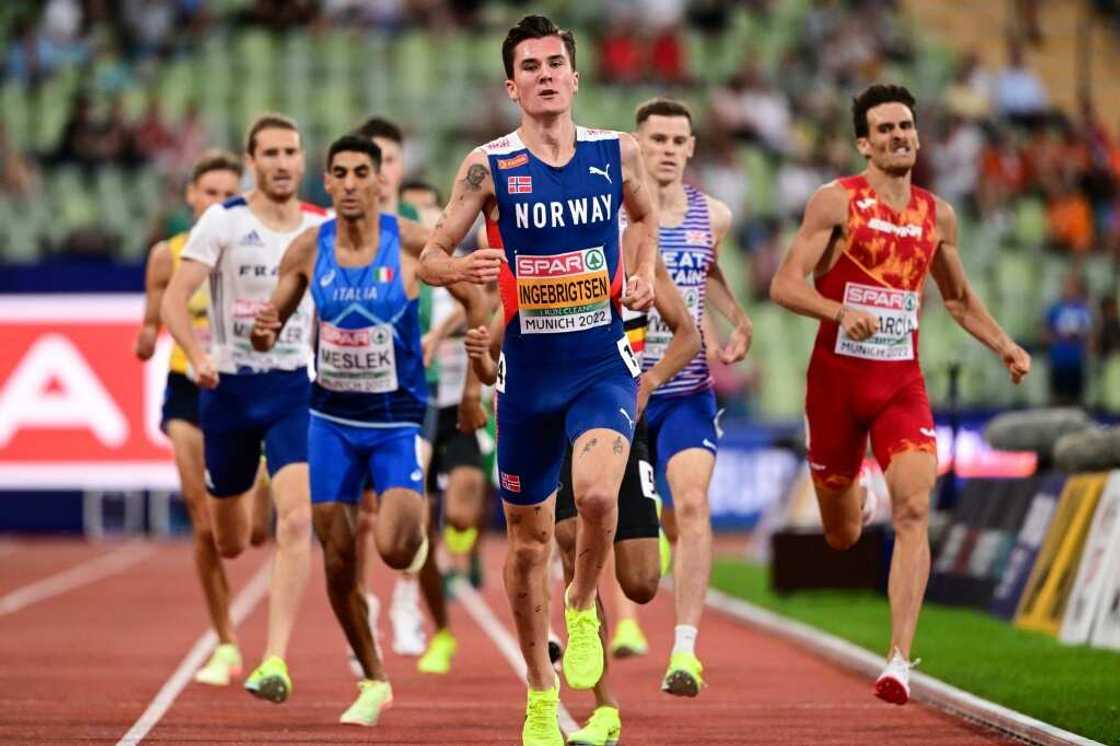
x=617, y=446
x=476, y=174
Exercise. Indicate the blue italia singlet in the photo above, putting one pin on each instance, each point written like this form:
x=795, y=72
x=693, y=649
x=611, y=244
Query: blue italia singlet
x=688, y=251
x=370, y=368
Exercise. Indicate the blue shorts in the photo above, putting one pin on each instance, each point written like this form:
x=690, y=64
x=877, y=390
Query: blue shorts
x=677, y=423
x=345, y=459
x=540, y=414
x=244, y=411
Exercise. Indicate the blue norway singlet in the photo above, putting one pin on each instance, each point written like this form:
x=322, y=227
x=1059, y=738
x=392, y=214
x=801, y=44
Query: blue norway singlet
x=688, y=250
x=561, y=284
x=370, y=369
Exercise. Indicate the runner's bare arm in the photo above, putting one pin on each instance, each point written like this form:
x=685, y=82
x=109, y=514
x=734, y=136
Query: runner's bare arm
x=173, y=311
x=826, y=212
x=962, y=302
x=473, y=192
x=156, y=276
x=483, y=345
x=296, y=267
x=720, y=294
x=642, y=214
x=414, y=236
x=683, y=345
x=475, y=306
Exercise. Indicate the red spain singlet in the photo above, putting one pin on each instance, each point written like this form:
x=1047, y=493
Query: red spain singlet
x=872, y=387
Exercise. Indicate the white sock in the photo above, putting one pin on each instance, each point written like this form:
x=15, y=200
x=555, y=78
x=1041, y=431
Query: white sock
x=685, y=639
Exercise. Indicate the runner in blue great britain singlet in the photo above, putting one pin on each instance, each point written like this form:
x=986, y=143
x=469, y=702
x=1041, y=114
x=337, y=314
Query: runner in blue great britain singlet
x=566, y=365
x=682, y=412
x=369, y=395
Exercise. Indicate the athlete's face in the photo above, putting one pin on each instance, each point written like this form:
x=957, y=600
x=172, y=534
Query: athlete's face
x=667, y=144
x=277, y=162
x=892, y=139
x=211, y=188
x=543, y=79
x=354, y=185
x=392, y=166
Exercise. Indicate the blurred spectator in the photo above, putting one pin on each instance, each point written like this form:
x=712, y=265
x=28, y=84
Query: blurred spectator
x=190, y=140
x=19, y=176
x=620, y=53
x=149, y=25
x=36, y=52
x=89, y=141
x=152, y=137
x=1020, y=95
x=954, y=163
x=1003, y=172
x=1108, y=328
x=1067, y=331
x=750, y=109
x=667, y=56
x=279, y=15
x=1069, y=216
x=969, y=95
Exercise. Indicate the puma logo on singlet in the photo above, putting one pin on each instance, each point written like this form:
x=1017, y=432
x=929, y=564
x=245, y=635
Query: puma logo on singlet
x=627, y=416
x=604, y=172
x=865, y=203
x=929, y=432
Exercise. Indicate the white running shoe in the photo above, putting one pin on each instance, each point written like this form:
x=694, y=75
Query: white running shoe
x=405, y=619
x=893, y=684
x=374, y=605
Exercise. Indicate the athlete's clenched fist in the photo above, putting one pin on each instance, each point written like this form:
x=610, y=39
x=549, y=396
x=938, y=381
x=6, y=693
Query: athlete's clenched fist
x=639, y=293
x=482, y=266
x=858, y=325
x=266, y=327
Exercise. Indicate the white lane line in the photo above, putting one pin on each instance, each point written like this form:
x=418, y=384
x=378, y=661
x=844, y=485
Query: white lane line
x=247, y=600
x=484, y=617
x=75, y=577
x=924, y=688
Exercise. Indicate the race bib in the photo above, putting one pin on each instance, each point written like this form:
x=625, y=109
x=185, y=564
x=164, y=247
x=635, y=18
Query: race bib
x=562, y=293
x=897, y=311
x=358, y=360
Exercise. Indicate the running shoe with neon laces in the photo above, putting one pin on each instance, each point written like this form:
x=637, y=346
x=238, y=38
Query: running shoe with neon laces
x=684, y=677
x=628, y=640
x=224, y=664
x=603, y=728
x=437, y=658
x=270, y=681
x=541, y=726
x=373, y=697
x=583, y=657
x=458, y=541
x=893, y=684
x=404, y=617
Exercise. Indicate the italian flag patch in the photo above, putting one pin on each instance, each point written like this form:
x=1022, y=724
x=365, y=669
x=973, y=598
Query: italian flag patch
x=384, y=274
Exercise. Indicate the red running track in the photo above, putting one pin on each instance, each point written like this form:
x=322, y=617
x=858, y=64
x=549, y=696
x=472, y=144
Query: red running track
x=84, y=664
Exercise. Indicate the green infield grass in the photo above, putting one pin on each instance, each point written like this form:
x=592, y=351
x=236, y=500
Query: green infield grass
x=1072, y=687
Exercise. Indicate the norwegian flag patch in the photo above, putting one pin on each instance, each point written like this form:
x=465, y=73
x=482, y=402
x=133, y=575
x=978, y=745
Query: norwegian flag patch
x=511, y=482
x=696, y=237
x=519, y=184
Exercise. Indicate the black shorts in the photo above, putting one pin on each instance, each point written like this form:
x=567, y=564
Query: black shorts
x=637, y=509
x=450, y=448
x=180, y=400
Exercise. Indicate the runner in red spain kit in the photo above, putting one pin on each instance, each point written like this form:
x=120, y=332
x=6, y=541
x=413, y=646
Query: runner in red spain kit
x=869, y=241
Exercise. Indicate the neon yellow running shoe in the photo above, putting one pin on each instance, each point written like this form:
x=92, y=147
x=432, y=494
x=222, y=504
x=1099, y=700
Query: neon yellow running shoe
x=270, y=681
x=437, y=658
x=541, y=727
x=373, y=697
x=628, y=640
x=459, y=542
x=603, y=728
x=583, y=657
x=683, y=679
x=224, y=664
